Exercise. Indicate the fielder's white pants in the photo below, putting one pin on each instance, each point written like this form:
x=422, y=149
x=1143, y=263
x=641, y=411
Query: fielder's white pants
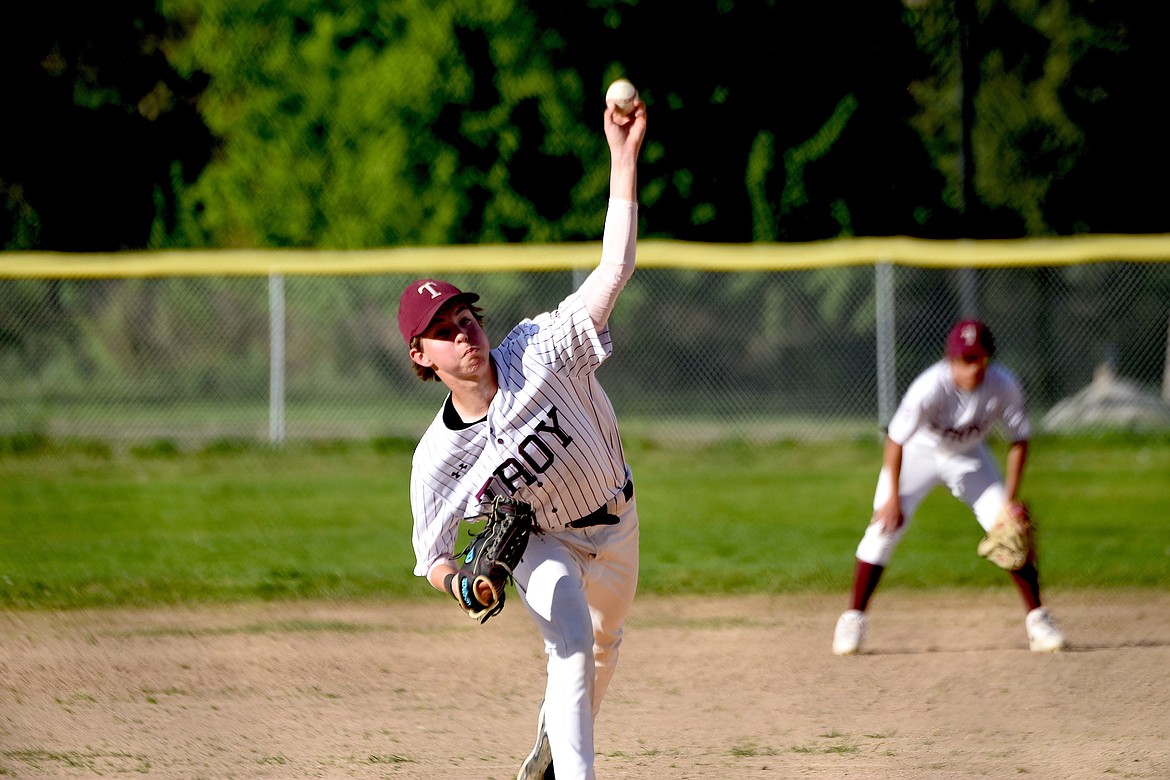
x=972, y=477
x=578, y=586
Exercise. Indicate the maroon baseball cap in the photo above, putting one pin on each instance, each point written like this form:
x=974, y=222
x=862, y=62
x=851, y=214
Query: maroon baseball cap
x=421, y=300
x=970, y=339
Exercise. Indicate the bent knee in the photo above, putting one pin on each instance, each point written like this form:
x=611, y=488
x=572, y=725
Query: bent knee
x=877, y=547
x=572, y=640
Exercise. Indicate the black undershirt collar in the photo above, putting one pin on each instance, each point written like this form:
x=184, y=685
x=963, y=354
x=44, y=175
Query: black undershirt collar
x=452, y=419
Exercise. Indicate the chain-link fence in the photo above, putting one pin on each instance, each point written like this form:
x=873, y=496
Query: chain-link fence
x=699, y=354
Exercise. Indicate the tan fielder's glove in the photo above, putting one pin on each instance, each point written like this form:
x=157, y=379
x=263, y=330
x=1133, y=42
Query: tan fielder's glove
x=1011, y=542
x=491, y=556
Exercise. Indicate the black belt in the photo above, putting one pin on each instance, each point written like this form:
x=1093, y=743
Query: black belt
x=599, y=516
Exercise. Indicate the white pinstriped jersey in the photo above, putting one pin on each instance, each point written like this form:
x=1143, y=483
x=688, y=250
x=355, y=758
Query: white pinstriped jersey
x=936, y=413
x=550, y=436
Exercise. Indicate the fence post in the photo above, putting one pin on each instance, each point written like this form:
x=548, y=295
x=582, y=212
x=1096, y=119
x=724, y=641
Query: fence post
x=276, y=359
x=1166, y=366
x=968, y=284
x=885, y=340
x=579, y=277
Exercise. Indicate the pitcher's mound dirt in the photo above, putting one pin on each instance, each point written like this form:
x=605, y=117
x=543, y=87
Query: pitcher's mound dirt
x=706, y=688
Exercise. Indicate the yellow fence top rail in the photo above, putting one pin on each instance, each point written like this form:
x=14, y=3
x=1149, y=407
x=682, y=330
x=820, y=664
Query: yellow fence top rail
x=653, y=253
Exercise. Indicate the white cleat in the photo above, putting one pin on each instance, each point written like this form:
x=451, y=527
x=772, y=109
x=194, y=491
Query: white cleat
x=849, y=632
x=1043, y=635
x=538, y=765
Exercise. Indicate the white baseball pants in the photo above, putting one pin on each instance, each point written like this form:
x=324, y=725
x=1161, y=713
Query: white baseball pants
x=972, y=477
x=578, y=586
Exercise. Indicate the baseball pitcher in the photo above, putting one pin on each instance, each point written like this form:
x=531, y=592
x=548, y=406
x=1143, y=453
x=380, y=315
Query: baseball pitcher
x=527, y=432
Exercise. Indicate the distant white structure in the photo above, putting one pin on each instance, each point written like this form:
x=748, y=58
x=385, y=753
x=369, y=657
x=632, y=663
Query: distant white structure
x=1108, y=402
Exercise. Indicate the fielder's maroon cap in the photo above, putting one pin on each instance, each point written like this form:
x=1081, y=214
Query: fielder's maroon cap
x=970, y=339
x=420, y=302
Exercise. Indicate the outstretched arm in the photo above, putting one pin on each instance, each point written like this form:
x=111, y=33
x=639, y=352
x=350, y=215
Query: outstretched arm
x=624, y=134
x=1014, y=473
x=889, y=514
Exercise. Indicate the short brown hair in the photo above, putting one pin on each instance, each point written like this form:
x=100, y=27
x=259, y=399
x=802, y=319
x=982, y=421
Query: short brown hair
x=426, y=373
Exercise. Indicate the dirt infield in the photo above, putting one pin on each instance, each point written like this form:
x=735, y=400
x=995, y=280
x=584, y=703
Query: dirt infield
x=707, y=688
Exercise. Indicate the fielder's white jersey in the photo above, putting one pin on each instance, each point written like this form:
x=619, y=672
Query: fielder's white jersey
x=936, y=413
x=550, y=436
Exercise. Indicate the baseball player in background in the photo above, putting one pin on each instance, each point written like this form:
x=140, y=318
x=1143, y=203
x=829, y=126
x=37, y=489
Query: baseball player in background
x=529, y=419
x=938, y=436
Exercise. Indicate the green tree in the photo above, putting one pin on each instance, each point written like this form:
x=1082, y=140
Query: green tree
x=1045, y=82
x=769, y=121
x=347, y=125
x=100, y=130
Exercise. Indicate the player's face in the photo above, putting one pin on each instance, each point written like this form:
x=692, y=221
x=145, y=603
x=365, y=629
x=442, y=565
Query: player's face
x=454, y=343
x=969, y=372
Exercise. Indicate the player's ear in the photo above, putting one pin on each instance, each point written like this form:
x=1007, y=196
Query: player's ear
x=420, y=357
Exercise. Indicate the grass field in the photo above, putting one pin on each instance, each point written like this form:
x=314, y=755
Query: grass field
x=81, y=525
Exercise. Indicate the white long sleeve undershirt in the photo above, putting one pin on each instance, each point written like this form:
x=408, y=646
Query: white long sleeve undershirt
x=618, y=248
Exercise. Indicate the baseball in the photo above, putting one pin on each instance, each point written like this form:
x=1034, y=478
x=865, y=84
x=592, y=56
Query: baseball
x=622, y=94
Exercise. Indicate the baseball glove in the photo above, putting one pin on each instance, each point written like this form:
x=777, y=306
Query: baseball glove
x=492, y=555
x=1011, y=542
